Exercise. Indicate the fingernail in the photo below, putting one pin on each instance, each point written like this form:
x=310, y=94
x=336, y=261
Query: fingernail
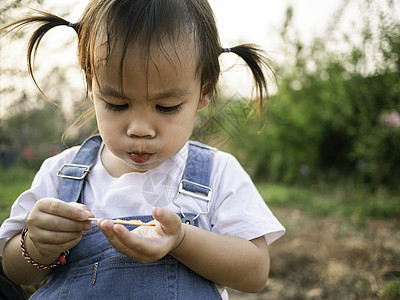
x=83, y=214
x=156, y=210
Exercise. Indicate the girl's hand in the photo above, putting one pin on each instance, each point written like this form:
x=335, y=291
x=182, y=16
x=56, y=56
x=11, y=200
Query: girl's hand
x=55, y=226
x=146, y=243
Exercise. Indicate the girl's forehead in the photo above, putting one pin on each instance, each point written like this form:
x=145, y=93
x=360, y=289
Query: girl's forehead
x=160, y=52
x=166, y=63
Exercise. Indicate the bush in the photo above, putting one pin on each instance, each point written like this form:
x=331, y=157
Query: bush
x=331, y=120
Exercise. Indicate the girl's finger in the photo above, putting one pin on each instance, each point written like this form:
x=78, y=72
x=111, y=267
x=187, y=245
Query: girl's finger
x=137, y=247
x=80, y=206
x=170, y=222
x=49, y=247
x=57, y=224
x=54, y=237
x=108, y=229
x=60, y=208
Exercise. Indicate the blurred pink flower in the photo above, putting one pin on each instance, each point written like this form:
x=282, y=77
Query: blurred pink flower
x=28, y=153
x=391, y=119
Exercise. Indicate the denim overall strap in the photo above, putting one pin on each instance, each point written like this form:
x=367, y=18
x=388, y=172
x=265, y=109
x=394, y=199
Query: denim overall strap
x=196, y=176
x=74, y=174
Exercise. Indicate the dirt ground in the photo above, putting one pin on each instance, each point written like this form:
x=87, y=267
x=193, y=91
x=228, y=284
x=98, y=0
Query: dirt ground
x=332, y=257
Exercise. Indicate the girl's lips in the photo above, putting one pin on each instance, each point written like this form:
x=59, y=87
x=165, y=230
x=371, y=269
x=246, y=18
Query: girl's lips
x=140, y=158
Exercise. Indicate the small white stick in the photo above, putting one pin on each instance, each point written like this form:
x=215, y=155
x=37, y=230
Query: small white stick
x=131, y=222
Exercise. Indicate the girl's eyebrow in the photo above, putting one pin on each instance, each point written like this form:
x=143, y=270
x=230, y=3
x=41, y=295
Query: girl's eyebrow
x=110, y=91
x=174, y=92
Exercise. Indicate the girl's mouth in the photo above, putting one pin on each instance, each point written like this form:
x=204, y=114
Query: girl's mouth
x=140, y=158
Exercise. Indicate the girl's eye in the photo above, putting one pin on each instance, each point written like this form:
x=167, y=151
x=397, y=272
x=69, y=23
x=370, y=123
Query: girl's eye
x=169, y=109
x=115, y=107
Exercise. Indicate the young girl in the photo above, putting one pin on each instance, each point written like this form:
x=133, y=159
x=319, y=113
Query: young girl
x=150, y=66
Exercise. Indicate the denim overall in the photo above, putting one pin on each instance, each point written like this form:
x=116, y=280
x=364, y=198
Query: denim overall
x=95, y=270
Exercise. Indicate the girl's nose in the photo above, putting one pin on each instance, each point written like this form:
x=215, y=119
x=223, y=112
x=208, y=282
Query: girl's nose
x=141, y=126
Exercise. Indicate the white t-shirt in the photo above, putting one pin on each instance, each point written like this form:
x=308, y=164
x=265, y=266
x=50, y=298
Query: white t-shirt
x=236, y=207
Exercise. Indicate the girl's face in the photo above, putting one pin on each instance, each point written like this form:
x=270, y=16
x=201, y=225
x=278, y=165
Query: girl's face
x=155, y=114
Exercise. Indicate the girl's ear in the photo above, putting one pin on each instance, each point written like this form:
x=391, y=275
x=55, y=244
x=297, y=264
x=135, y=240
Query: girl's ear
x=205, y=96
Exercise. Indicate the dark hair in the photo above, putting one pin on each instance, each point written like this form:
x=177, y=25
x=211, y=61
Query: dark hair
x=121, y=21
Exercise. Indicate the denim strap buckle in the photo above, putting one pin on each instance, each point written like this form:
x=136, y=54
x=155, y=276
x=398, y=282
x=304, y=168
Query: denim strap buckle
x=81, y=174
x=199, y=188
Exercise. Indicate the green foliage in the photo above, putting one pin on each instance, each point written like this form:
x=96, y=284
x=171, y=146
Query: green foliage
x=35, y=131
x=14, y=181
x=331, y=118
x=326, y=199
x=38, y=131
x=390, y=291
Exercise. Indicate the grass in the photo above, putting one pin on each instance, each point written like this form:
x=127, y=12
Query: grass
x=321, y=200
x=13, y=181
x=390, y=291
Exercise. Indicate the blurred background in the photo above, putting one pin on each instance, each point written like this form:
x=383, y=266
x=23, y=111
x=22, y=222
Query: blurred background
x=325, y=155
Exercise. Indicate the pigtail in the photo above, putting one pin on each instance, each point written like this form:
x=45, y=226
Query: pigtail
x=259, y=64
x=45, y=21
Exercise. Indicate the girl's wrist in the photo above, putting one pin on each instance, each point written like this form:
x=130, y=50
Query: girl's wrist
x=180, y=241
x=32, y=256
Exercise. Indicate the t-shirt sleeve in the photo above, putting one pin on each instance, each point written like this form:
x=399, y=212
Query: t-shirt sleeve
x=45, y=184
x=238, y=208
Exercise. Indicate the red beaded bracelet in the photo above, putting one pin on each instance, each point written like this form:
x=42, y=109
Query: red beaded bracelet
x=62, y=260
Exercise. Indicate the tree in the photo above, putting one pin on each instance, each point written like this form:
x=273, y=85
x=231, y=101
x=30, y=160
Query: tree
x=24, y=112
x=329, y=119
